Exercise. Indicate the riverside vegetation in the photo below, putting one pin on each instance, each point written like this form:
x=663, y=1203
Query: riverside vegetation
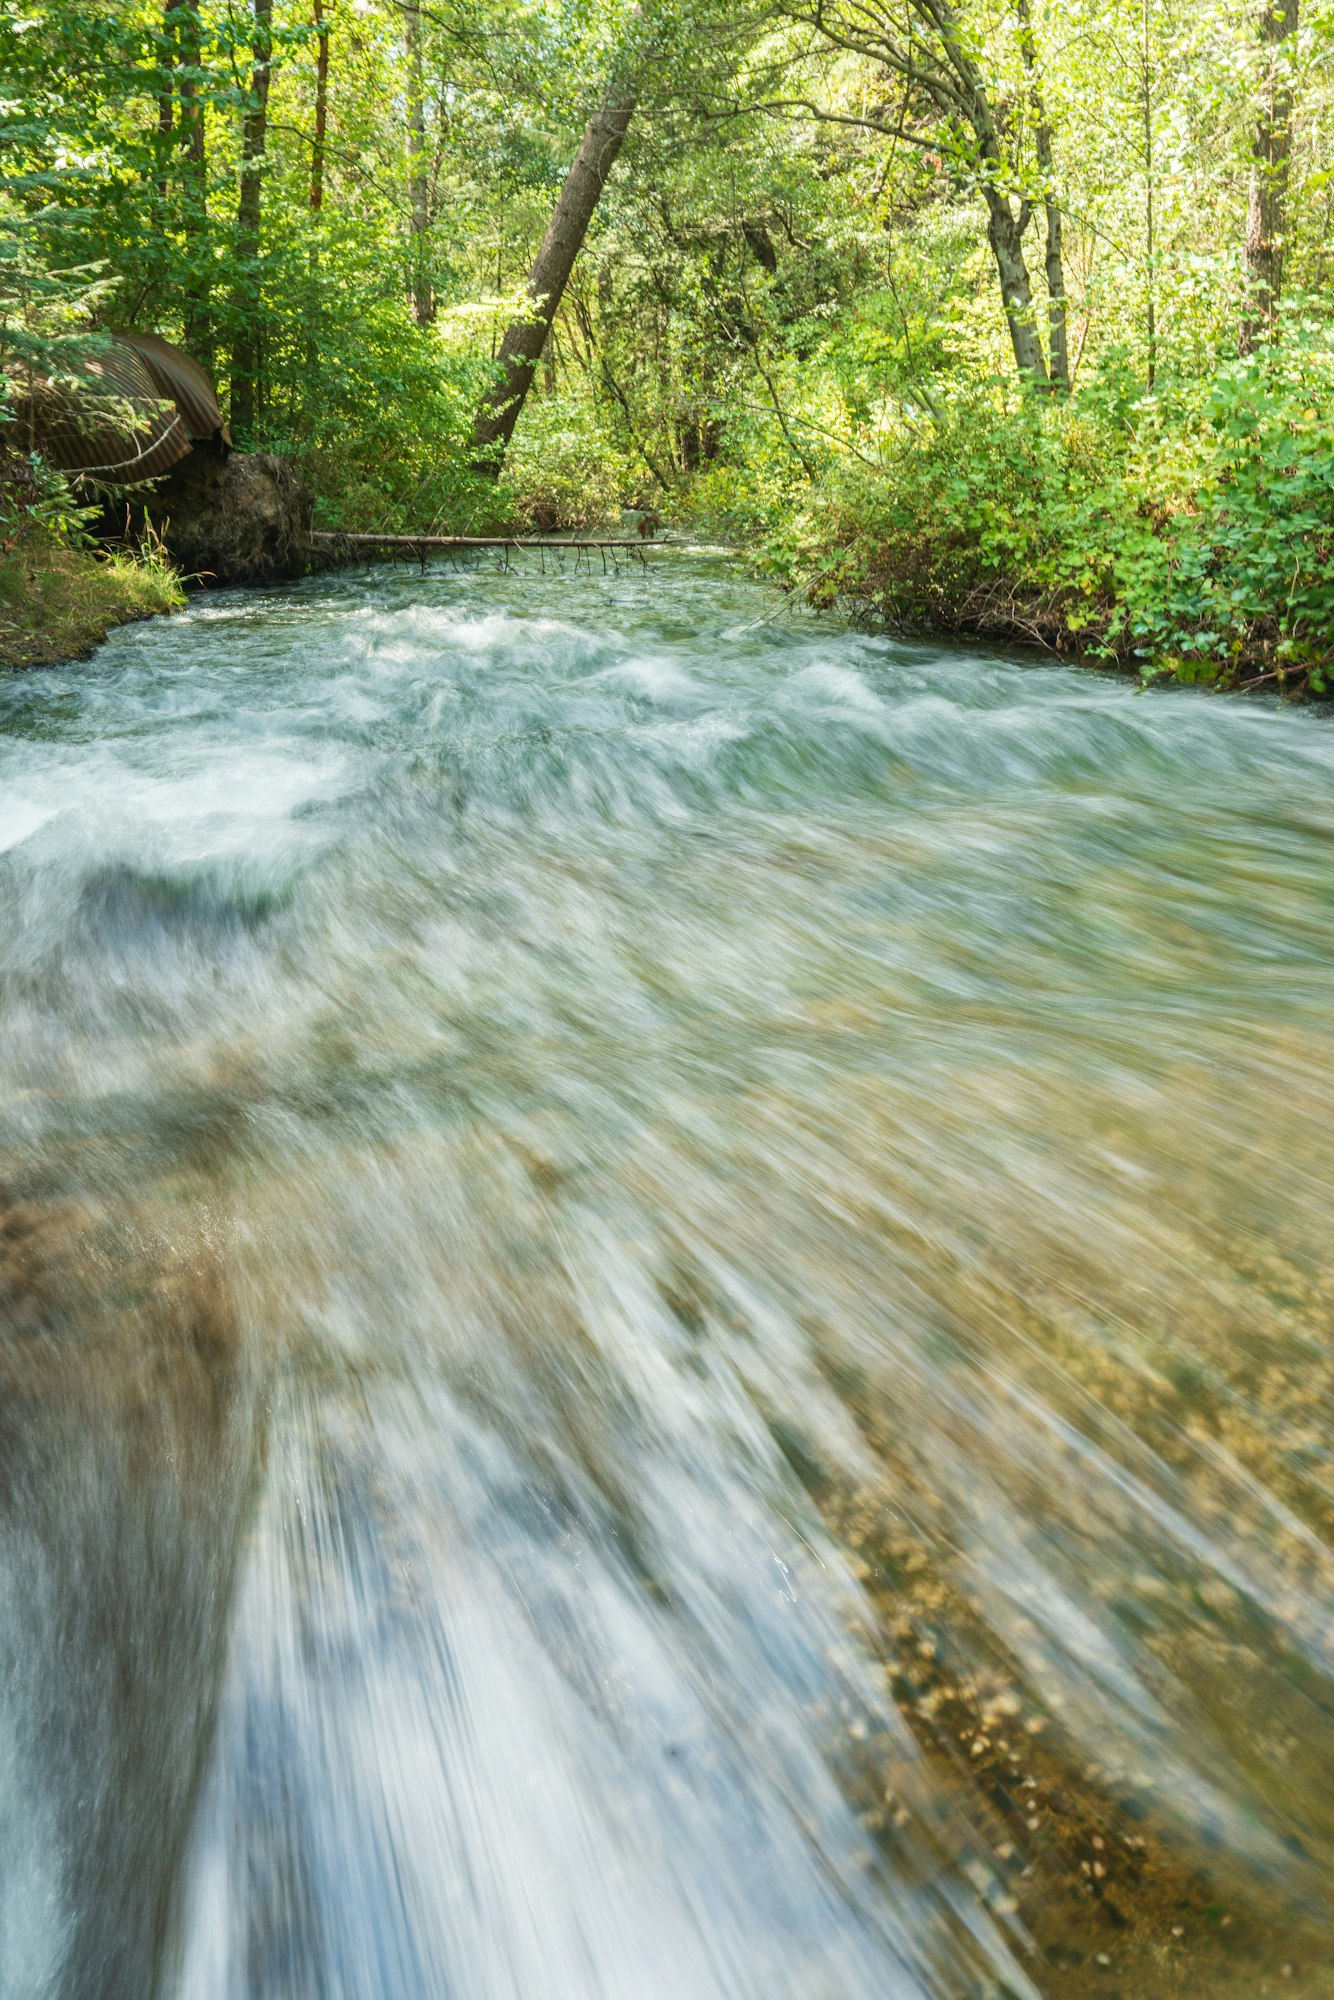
x=1008, y=318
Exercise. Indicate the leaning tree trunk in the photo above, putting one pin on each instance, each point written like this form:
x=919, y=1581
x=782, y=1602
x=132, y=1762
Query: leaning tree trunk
x=245, y=337
x=1271, y=151
x=522, y=346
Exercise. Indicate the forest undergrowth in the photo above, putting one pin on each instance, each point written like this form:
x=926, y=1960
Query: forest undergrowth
x=1185, y=534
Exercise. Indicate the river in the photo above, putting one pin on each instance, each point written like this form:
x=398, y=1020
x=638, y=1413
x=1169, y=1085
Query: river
x=665, y=1310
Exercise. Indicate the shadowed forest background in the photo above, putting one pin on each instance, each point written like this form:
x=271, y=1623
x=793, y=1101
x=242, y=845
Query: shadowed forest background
x=1006, y=318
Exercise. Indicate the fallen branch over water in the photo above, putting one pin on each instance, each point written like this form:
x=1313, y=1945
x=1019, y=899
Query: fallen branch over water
x=331, y=539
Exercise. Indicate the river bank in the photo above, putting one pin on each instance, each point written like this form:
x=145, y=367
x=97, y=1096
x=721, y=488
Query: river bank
x=879, y=554
x=59, y=603
x=1182, y=534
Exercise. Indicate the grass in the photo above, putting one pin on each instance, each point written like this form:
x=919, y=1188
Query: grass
x=58, y=603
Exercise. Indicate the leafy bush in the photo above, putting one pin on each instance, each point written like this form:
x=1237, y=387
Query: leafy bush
x=1188, y=533
x=1239, y=581
x=751, y=495
x=999, y=512
x=562, y=470
x=35, y=497
x=380, y=429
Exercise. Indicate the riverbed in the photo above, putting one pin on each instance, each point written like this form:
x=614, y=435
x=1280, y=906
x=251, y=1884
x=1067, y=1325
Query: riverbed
x=665, y=1310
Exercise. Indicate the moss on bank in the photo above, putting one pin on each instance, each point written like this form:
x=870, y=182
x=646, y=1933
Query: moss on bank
x=57, y=603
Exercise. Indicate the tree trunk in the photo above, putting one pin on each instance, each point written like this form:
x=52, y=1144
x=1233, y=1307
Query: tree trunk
x=1150, y=187
x=1057, y=343
x=962, y=87
x=423, y=292
x=1266, y=209
x=317, y=150
x=1057, y=334
x=167, y=53
x=321, y=108
x=1005, y=227
x=927, y=44
x=245, y=336
x=761, y=245
x=522, y=346
x=196, y=314
x=1005, y=234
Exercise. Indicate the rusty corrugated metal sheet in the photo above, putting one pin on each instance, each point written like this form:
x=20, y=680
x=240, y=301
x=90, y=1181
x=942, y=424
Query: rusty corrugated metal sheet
x=178, y=375
x=115, y=426
x=139, y=406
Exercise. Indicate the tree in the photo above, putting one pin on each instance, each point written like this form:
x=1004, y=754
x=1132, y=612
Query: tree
x=1271, y=154
x=423, y=295
x=167, y=40
x=197, y=319
x=521, y=348
x=1057, y=345
x=319, y=139
x=924, y=46
x=246, y=336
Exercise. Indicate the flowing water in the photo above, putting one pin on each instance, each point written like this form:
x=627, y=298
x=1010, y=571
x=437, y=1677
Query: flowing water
x=666, y=1311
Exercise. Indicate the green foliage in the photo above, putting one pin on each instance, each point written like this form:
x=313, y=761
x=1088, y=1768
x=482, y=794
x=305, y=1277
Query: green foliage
x=380, y=429
x=34, y=496
x=1188, y=533
x=1239, y=579
x=563, y=471
x=995, y=503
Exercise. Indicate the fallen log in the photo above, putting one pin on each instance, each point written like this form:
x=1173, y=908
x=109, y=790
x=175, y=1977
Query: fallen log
x=332, y=539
